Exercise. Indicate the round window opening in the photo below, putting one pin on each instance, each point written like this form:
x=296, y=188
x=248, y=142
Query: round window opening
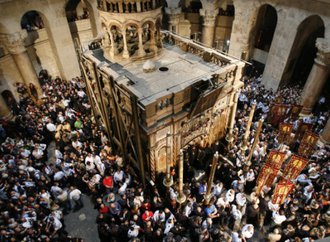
x=163, y=68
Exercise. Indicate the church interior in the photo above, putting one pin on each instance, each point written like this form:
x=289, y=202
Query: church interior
x=165, y=120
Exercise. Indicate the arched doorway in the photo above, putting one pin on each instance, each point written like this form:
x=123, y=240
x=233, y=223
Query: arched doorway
x=303, y=52
x=262, y=35
x=81, y=21
x=38, y=43
x=10, y=100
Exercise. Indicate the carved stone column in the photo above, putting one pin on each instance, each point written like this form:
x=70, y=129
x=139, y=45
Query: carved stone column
x=153, y=45
x=141, y=48
x=317, y=77
x=174, y=23
x=174, y=12
x=209, y=13
x=15, y=45
x=112, y=44
x=245, y=18
x=325, y=135
x=125, y=51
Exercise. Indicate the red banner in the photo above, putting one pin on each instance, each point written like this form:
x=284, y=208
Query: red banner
x=275, y=159
x=295, y=111
x=308, y=144
x=294, y=167
x=266, y=177
x=278, y=112
x=282, y=190
x=270, y=170
x=265, y=172
x=302, y=128
x=285, y=130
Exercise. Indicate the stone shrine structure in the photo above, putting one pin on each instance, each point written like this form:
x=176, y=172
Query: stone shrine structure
x=279, y=35
x=142, y=79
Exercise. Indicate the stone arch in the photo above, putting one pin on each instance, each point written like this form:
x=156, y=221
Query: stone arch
x=149, y=35
x=116, y=35
x=131, y=22
x=40, y=43
x=9, y=98
x=261, y=35
x=161, y=159
x=32, y=20
x=80, y=14
x=132, y=36
x=265, y=27
x=303, y=51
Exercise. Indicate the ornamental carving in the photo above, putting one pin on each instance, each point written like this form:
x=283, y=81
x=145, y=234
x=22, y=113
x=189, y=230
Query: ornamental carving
x=15, y=42
x=323, y=53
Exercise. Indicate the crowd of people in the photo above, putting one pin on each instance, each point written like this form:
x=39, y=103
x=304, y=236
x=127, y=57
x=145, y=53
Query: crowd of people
x=37, y=191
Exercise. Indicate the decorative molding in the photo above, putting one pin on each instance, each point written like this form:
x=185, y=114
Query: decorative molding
x=323, y=53
x=209, y=11
x=14, y=42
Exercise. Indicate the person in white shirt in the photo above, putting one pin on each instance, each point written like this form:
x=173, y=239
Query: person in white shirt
x=81, y=93
x=278, y=217
x=50, y=126
x=133, y=231
x=218, y=188
x=159, y=216
x=247, y=231
x=118, y=176
x=237, y=216
x=241, y=202
x=75, y=198
x=188, y=209
x=230, y=195
x=59, y=175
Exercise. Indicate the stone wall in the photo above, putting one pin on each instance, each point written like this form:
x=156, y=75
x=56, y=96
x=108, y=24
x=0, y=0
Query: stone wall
x=41, y=53
x=223, y=26
x=9, y=75
x=62, y=60
x=289, y=14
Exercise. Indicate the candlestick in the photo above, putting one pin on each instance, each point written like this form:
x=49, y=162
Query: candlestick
x=211, y=177
x=181, y=198
x=255, y=141
x=248, y=126
x=168, y=180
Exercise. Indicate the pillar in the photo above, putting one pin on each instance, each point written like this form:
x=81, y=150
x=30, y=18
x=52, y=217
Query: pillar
x=138, y=6
x=125, y=51
x=325, y=135
x=15, y=45
x=174, y=23
x=141, y=47
x=317, y=77
x=245, y=18
x=112, y=47
x=153, y=45
x=208, y=30
x=209, y=13
x=5, y=112
x=174, y=12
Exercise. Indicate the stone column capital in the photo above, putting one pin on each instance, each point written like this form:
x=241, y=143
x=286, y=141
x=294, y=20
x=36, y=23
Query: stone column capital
x=209, y=16
x=174, y=14
x=15, y=42
x=174, y=19
x=323, y=53
x=173, y=4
